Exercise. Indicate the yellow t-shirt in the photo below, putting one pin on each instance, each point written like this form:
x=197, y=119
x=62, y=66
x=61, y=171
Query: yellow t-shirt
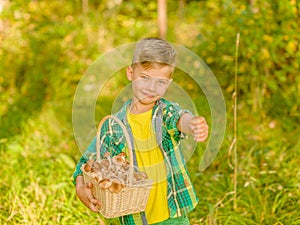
x=150, y=160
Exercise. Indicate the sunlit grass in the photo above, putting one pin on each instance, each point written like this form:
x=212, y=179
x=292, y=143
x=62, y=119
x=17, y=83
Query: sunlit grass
x=268, y=190
x=36, y=169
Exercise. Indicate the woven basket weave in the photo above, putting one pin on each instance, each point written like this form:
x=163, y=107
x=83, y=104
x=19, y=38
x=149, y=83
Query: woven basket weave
x=132, y=198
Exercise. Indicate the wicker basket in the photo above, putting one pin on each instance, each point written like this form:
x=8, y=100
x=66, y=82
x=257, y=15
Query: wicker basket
x=132, y=198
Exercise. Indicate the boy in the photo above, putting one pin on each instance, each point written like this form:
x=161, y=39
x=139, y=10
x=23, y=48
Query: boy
x=156, y=126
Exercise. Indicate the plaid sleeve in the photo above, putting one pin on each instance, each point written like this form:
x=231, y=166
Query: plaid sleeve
x=172, y=114
x=85, y=157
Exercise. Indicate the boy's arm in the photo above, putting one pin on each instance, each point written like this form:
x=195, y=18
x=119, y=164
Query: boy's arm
x=193, y=125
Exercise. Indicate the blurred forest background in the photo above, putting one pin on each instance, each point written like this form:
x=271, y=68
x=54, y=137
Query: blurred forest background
x=45, y=48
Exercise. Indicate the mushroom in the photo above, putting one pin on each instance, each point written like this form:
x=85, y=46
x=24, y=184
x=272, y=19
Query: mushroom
x=98, y=177
x=139, y=175
x=96, y=166
x=126, y=165
x=118, y=161
x=106, y=154
x=104, y=163
x=112, y=173
x=116, y=186
x=87, y=167
x=123, y=155
x=105, y=184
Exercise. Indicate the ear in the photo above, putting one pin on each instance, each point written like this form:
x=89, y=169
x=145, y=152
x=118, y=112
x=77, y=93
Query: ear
x=129, y=73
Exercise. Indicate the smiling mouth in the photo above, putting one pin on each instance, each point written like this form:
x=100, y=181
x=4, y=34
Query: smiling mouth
x=150, y=95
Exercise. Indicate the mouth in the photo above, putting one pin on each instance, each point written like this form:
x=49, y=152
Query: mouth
x=146, y=95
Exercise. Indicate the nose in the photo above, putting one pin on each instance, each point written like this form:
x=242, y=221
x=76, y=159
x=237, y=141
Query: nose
x=151, y=85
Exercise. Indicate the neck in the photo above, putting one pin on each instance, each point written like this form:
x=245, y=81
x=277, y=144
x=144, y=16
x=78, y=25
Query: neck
x=138, y=107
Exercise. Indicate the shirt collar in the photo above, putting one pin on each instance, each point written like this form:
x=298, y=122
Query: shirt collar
x=122, y=113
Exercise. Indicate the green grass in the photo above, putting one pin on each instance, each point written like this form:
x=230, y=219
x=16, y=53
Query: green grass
x=36, y=169
x=268, y=190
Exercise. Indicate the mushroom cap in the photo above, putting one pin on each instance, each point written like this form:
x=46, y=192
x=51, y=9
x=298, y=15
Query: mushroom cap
x=122, y=154
x=87, y=167
x=112, y=173
x=126, y=165
x=118, y=160
x=98, y=177
x=104, y=163
x=106, y=154
x=115, y=187
x=139, y=175
x=96, y=166
x=105, y=184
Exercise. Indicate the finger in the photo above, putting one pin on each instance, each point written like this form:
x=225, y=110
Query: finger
x=201, y=119
x=198, y=120
x=200, y=129
x=93, y=207
x=95, y=202
x=203, y=135
x=90, y=198
x=200, y=125
x=200, y=137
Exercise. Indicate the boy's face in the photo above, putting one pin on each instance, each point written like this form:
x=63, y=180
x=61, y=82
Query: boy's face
x=149, y=84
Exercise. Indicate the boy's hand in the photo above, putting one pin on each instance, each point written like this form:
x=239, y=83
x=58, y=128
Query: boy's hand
x=199, y=128
x=84, y=193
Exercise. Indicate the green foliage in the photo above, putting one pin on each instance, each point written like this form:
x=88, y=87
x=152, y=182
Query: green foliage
x=46, y=46
x=269, y=51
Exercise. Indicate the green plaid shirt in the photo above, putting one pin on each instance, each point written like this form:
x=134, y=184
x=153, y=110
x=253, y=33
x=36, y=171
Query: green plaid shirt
x=165, y=115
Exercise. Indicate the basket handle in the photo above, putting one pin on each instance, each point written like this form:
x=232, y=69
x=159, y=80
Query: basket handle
x=127, y=137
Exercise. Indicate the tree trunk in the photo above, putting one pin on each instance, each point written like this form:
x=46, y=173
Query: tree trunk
x=251, y=2
x=181, y=8
x=85, y=6
x=162, y=18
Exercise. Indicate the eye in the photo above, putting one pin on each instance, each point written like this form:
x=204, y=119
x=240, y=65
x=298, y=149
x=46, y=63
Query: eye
x=162, y=82
x=145, y=78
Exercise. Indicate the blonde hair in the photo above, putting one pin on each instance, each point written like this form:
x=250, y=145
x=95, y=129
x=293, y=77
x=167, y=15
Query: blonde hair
x=149, y=51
